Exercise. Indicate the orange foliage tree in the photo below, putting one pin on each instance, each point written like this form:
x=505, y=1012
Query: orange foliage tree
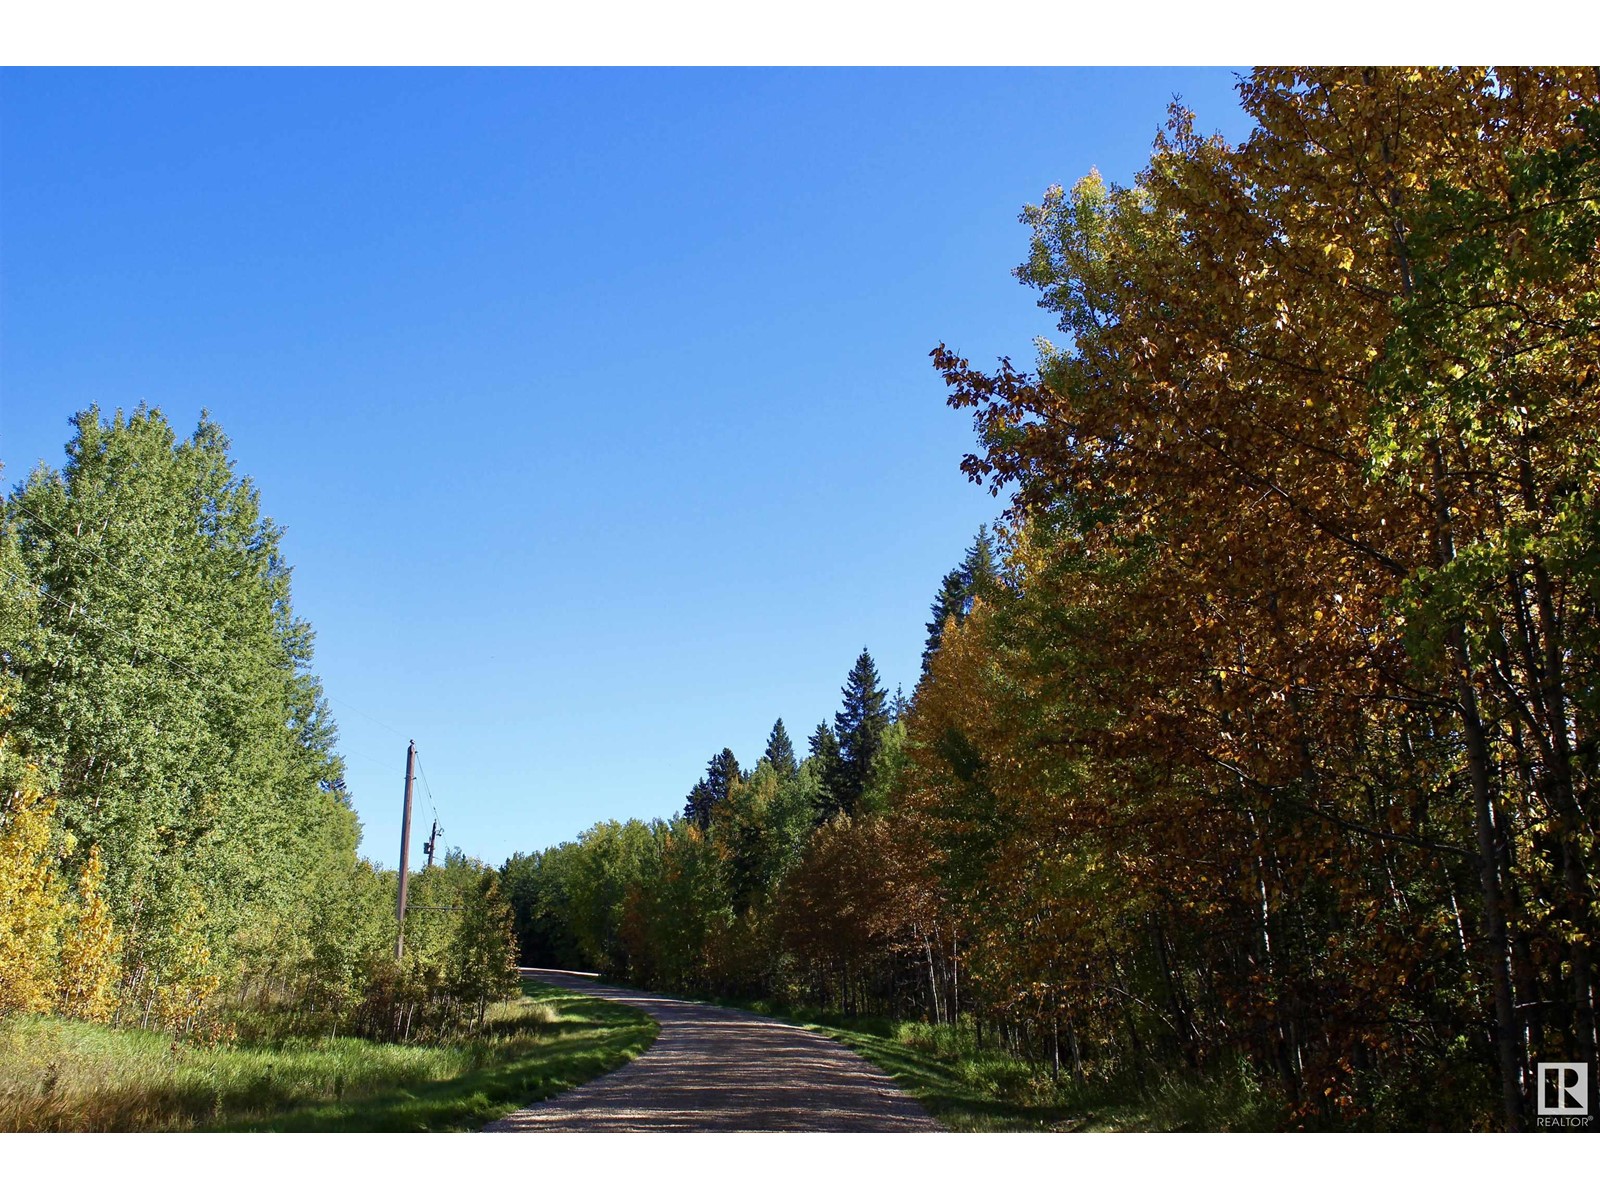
x=1329, y=394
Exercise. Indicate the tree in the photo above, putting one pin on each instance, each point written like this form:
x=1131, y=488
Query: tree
x=974, y=578
x=483, y=950
x=978, y=575
x=780, y=752
x=747, y=838
x=90, y=947
x=163, y=686
x=608, y=859
x=697, y=805
x=712, y=790
x=825, y=765
x=536, y=885
x=859, y=727
x=899, y=706
x=31, y=897
x=58, y=953
x=1324, y=424
x=675, y=901
x=949, y=605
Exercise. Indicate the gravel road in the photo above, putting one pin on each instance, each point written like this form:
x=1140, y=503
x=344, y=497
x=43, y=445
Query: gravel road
x=722, y=1069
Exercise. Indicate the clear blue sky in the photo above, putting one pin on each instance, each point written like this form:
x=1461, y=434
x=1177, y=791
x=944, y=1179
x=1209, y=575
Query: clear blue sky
x=597, y=404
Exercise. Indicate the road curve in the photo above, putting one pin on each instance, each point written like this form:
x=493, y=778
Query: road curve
x=722, y=1069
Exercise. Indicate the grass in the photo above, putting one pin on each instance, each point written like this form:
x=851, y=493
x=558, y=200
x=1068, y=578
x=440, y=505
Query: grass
x=66, y=1075
x=971, y=1090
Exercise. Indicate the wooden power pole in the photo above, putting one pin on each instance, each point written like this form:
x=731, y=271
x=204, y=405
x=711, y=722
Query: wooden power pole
x=433, y=837
x=405, y=855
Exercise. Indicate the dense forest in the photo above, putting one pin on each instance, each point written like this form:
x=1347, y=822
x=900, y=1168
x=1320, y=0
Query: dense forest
x=1261, y=737
x=1257, y=738
x=176, y=844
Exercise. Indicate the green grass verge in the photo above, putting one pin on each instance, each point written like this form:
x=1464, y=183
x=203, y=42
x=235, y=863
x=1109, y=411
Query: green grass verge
x=967, y=1089
x=66, y=1075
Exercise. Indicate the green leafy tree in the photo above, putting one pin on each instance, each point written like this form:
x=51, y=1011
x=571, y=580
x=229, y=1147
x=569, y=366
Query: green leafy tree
x=607, y=859
x=536, y=885
x=164, y=688
x=483, y=950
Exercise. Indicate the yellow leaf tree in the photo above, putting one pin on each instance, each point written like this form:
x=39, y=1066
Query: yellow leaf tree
x=31, y=901
x=90, y=950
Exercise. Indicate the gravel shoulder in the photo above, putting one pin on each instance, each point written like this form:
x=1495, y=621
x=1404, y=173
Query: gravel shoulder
x=714, y=1068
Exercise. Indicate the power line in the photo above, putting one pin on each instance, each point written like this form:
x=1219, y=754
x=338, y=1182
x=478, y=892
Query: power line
x=423, y=771
x=74, y=542
x=369, y=717
x=433, y=836
x=81, y=613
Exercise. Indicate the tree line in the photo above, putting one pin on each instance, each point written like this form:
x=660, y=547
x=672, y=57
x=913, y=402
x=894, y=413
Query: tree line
x=1264, y=736
x=175, y=832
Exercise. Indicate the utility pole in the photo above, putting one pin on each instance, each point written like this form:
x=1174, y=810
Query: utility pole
x=405, y=856
x=433, y=836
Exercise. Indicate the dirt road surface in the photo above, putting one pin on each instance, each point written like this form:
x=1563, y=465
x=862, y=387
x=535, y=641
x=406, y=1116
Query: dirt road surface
x=721, y=1069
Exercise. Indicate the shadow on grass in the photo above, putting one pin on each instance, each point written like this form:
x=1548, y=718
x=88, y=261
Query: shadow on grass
x=966, y=1089
x=531, y=1060
x=953, y=1092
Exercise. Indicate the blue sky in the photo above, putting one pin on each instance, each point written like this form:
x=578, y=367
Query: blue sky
x=596, y=404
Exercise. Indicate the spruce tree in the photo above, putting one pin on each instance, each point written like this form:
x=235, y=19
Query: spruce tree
x=698, y=803
x=978, y=570
x=825, y=762
x=976, y=578
x=780, y=752
x=950, y=602
x=859, y=727
x=722, y=772
x=712, y=790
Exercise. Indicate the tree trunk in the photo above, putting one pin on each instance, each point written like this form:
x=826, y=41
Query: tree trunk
x=933, y=982
x=1497, y=947
x=1494, y=921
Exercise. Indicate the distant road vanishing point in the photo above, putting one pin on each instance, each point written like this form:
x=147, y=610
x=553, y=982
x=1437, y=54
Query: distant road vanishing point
x=722, y=1069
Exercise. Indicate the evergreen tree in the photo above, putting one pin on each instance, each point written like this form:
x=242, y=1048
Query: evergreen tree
x=978, y=570
x=722, y=772
x=780, y=752
x=744, y=834
x=697, y=805
x=859, y=727
x=712, y=790
x=825, y=765
x=950, y=602
x=975, y=578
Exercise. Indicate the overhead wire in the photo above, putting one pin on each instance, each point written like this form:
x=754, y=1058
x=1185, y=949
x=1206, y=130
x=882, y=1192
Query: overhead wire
x=216, y=686
x=73, y=543
x=423, y=772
